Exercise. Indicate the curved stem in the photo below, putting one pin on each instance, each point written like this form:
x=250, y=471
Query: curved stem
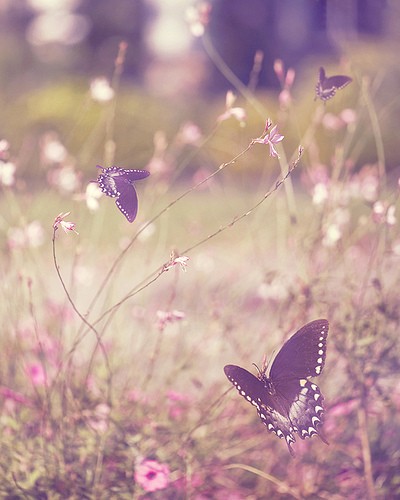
x=83, y=319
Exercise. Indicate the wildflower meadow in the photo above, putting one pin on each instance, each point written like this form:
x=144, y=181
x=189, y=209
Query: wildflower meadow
x=253, y=213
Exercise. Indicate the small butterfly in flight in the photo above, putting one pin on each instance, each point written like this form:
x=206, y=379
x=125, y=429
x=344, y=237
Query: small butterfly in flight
x=327, y=86
x=287, y=401
x=118, y=183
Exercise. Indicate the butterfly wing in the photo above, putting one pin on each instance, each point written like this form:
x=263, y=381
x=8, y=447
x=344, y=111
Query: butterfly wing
x=256, y=391
x=128, y=175
x=298, y=407
x=326, y=87
x=108, y=185
x=127, y=201
x=303, y=355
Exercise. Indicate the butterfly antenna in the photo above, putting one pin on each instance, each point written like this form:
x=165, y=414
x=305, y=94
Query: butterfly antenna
x=264, y=363
x=258, y=369
x=261, y=371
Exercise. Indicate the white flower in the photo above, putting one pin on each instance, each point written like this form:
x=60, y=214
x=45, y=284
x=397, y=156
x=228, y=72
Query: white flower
x=101, y=90
x=7, y=173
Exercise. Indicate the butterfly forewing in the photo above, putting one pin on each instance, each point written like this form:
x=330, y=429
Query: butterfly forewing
x=249, y=386
x=128, y=175
x=303, y=355
x=286, y=401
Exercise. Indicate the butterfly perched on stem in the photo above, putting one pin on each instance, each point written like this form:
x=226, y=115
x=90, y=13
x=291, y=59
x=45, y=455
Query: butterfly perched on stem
x=327, y=86
x=118, y=183
x=287, y=401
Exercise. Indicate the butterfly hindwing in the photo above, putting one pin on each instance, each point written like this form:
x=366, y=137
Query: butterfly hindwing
x=128, y=201
x=286, y=401
x=108, y=185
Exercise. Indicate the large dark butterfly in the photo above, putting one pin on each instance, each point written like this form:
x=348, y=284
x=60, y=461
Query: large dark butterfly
x=326, y=87
x=118, y=183
x=287, y=401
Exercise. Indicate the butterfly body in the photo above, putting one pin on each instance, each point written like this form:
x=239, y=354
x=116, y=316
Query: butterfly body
x=287, y=402
x=118, y=183
x=327, y=86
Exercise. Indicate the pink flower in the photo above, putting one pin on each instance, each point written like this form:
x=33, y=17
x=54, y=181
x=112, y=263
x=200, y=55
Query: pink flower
x=279, y=69
x=36, y=373
x=178, y=404
x=286, y=81
x=270, y=138
x=332, y=122
x=182, y=261
x=198, y=17
x=365, y=183
x=31, y=236
x=165, y=317
x=4, y=150
x=238, y=113
x=151, y=475
x=382, y=213
x=176, y=259
x=67, y=226
x=52, y=150
x=17, y=397
x=65, y=178
x=190, y=133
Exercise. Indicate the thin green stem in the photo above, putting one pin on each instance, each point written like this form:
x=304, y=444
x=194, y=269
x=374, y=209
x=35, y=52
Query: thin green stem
x=83, y=319
x=380, y=150
x=269, y=477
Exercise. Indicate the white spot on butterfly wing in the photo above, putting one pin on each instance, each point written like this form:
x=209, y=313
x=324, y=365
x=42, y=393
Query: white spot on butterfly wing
x=315, y=420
